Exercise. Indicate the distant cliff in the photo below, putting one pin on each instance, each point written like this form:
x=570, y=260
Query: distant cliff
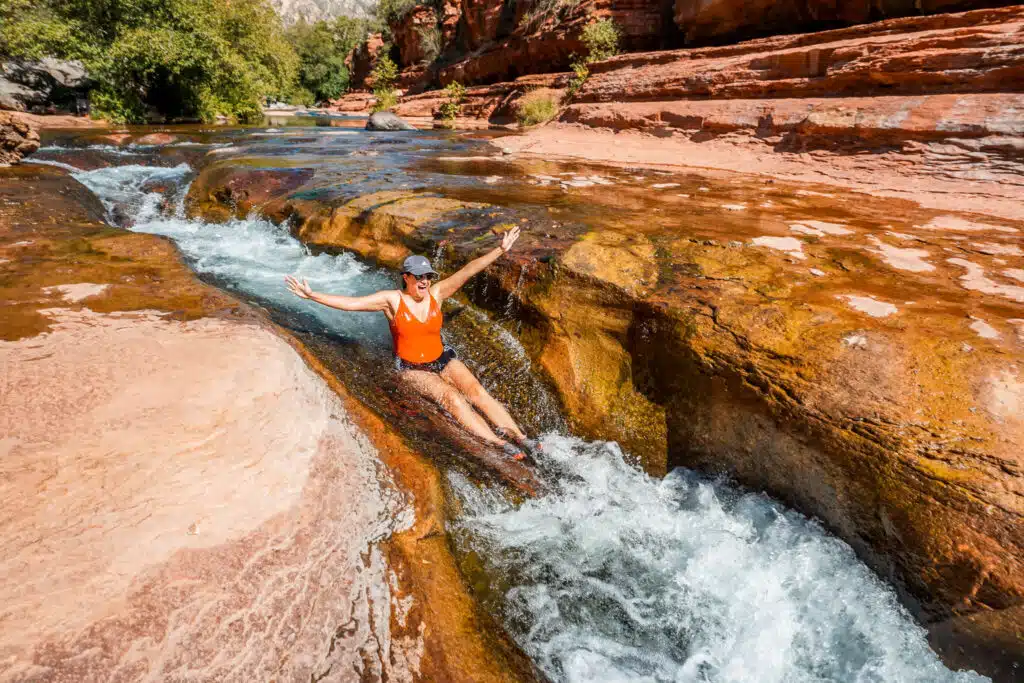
x=292, y=11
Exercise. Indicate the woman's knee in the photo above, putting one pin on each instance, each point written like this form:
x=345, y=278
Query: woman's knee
x=452, y=400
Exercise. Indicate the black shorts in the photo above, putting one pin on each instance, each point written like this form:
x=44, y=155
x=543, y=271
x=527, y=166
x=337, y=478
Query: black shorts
x=447, y=356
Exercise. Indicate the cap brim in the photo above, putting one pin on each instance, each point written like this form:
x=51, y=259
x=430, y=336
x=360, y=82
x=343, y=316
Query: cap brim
x=421, y=271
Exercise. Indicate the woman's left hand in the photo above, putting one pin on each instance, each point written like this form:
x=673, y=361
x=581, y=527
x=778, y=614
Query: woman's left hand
x=509, y=239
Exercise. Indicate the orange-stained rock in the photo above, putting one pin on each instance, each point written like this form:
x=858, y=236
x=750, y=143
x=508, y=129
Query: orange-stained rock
x=706, y=19
x=18, y=138
x=237, y=193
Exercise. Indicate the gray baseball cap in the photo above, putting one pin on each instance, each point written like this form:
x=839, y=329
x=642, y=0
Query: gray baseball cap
x=417, y=265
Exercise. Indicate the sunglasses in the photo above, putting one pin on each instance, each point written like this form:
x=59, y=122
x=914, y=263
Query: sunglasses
x=421, y=278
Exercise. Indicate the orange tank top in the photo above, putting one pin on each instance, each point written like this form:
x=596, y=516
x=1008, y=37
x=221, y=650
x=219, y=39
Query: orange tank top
x=415, y=341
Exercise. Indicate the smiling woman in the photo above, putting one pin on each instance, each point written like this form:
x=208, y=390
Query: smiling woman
x=426, y=365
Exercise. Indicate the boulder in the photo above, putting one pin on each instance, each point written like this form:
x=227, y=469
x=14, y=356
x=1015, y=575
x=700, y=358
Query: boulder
x=385, y=120
x=18, y=138
x=44, y=86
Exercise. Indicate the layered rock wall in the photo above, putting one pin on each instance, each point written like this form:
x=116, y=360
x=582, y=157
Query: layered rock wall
x=703, y=20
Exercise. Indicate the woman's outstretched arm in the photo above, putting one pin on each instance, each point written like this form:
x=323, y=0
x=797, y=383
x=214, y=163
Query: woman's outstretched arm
x=378, y=301
x=448, y=286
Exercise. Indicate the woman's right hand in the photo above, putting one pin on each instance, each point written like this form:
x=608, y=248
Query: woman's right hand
x=299, y=288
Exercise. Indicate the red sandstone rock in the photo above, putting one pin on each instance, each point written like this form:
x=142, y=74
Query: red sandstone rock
x=972, y=52
x=362, y=60
x=410, y=35
x=353, y=102
x=18, y=138
x=493, y=103
x=481, y=19
x=451, y=13
x=703, y=19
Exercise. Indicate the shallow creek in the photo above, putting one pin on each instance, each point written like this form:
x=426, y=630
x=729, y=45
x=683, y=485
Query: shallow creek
x=610, y=574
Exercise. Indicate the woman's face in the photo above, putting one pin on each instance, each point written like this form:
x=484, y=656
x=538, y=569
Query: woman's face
x=417, y=286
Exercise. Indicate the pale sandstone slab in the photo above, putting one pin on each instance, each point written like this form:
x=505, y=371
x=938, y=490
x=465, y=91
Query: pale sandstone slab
x=185, y=500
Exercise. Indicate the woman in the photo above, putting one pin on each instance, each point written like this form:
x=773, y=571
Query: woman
x=424, y=362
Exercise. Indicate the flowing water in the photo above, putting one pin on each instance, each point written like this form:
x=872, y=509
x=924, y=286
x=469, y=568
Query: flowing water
x=611, y=575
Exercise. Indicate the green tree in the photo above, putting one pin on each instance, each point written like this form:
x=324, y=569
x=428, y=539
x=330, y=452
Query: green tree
x=186, y=59
x=322, y=48
x=385, y=72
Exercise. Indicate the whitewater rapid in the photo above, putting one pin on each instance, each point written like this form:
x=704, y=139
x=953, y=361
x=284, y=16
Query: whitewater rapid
x=613, y=575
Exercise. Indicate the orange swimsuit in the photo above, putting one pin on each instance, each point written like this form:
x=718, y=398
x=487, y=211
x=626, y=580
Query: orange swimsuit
x=418, y=342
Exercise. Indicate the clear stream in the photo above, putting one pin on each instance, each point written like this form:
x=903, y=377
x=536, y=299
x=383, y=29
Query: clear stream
x=611, y=575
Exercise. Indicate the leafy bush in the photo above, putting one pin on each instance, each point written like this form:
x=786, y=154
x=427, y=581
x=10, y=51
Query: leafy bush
x=187, y=59
x=579, y=77
x=322, y=48
x=601, y=39
x=538, y=106
x=385, y=72
x=456, y=93
x=385, y=99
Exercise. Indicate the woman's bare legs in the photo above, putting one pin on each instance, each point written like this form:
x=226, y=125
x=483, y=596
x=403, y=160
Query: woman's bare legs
x=461, y=378
x=449, y=397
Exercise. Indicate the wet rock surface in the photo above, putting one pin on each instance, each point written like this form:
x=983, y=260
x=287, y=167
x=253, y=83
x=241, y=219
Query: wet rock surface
x=858, y=357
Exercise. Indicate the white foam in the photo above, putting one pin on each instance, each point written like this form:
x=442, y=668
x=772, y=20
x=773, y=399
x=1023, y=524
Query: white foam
x=618, y=576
